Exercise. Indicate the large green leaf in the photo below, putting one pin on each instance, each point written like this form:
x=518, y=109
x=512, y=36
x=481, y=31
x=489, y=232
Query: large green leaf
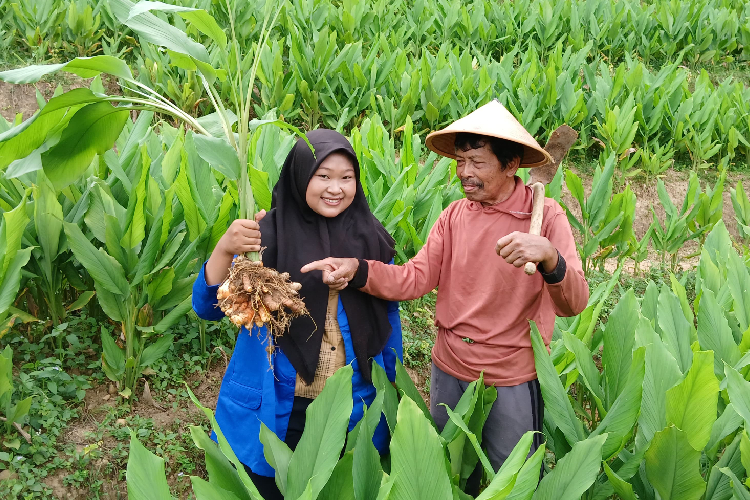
x=152, y=29
x=740, y=492
x=173, y=316
x=672, y=466
x=112, y=304
x=12, y=227
x=417, y=458
x=619, y=339
x=48, y=219
x=340, y=486
x=92, y=130
x=12, y=279
x=675, y=329
x=691, y=404
x=21, y=141
x=738, y=280
x=574, y=473
x=136, y=217
x=623, y=489
x=739, y=392
x=205, y=490
x=277, y=455
x=586, y=367
x=714, y=333
x=155, y=351
x=260, y=186
x=619, y=421
x=145, y=475
x=472, y=437
x=718, y=487
x=219, y=468
x=219, y=154
x=226, y=449
x=406, y=385
x=728, y=422
x=105, y=270
x=367, y=472
x=745, y=451
x=201, y=19
x=662, y=373
x=556, y=402
x=195, y=223
x=160, y=285
x=390, y=397
x=528, y=477
x=373, y=414
x=113, y=357
x=85, y=67
x=150, y=249
x=327, y=419
x=505, y=479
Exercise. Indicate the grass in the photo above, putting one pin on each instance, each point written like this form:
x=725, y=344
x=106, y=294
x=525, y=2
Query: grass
x=79, y=439
x=419, y=330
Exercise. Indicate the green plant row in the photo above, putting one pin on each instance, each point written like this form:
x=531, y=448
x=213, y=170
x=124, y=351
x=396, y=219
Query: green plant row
x=333, y=65
x=709, y=30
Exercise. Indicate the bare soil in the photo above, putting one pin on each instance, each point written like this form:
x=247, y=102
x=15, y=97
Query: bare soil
x=676, y=183
x=16, y=99
x=99, y=403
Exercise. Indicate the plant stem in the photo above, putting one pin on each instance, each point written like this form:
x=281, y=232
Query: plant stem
x=202, y=334
x=128, y=325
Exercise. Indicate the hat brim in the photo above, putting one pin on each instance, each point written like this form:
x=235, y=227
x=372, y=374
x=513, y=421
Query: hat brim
x=443, y=142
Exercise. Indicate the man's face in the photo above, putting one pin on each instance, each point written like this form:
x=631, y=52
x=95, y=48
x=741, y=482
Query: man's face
x=482, y=176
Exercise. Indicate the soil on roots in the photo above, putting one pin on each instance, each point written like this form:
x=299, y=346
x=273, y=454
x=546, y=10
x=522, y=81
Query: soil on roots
x=256, y=295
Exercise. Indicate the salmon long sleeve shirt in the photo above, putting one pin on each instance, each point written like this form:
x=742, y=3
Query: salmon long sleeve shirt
x=484, y=304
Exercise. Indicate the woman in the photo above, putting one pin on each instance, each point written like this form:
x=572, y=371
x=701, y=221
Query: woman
x=318, y=210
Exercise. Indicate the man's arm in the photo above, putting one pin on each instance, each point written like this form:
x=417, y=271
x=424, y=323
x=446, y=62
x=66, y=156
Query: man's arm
x=406, y=282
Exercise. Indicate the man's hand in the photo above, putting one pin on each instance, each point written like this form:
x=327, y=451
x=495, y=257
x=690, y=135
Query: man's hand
x=337, y=272
x=518, y=248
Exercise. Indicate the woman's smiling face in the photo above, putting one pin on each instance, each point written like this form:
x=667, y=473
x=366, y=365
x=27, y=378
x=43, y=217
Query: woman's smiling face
x=333, y=186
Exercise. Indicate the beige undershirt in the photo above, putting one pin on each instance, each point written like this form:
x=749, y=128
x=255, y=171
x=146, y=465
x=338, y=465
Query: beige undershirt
x=332, y=352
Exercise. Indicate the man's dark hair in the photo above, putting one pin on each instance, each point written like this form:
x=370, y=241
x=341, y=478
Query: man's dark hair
x=503, y=149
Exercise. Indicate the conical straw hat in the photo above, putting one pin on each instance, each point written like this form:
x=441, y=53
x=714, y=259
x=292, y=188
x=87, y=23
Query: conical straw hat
x=493, y=120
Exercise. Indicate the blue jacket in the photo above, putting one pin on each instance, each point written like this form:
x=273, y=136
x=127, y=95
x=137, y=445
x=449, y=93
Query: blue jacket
x=252, y=392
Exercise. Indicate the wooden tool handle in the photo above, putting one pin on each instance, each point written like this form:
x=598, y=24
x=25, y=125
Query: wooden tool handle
x=537, y=212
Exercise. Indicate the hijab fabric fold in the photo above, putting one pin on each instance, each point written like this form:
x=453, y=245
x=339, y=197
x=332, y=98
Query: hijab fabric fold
x=295, y=235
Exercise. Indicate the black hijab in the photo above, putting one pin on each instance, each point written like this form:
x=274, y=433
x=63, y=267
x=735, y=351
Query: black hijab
x=295, y=235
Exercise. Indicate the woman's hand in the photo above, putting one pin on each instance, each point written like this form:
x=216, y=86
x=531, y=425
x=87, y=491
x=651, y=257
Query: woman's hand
x=337, y=272
x=242, y=236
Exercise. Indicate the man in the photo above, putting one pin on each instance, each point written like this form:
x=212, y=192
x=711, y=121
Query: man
x=475, y=255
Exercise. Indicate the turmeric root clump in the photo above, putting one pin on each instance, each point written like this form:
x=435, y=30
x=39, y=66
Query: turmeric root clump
x=256, y=295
